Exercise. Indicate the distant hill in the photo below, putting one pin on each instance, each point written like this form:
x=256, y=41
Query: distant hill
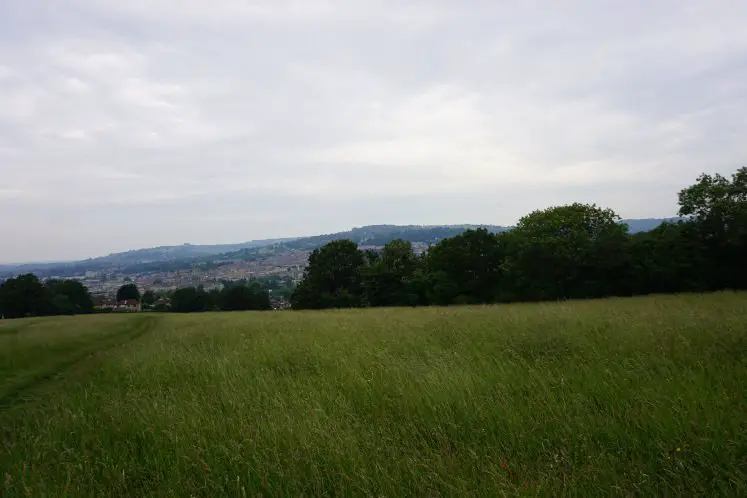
x=648, y=224
x=167, y=258
x=372, y=235
x=176, y=253
x=379, y=235
x=163, y=256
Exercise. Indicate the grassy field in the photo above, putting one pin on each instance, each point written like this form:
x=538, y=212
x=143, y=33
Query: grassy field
x=615, y=397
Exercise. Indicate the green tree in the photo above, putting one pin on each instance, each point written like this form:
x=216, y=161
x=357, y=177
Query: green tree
x=716, y=199
x=148, y=298
x=77, y=299
x=214, y=299
x=62, y=305
x=718, y=206
x=466, y=268
x=24, y=296
x=668, y=259
x=386, y=278
x=573, y=251
x=189, y=300
x=128, y=291
x=332, y=278
x=241, y=297
x=420, y=285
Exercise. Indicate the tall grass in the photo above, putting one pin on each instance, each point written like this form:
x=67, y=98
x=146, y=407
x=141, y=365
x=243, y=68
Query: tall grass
x=639, y=396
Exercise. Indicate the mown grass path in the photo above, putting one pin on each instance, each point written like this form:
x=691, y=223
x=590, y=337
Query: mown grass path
x=623, y=397
x=36, y=372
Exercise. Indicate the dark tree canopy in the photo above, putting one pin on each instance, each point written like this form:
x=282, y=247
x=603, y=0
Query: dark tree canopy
x=466, y=268
x=148, y=298
x=387, y=278
x=332, y=278
x=242, y=297
x=23, y=296
x=575, y=251
x=189, y=300
x=27, y=296
x=72, y=294
x=718, y=206
x=234, y=297
x=716, y=199
x=128, y=291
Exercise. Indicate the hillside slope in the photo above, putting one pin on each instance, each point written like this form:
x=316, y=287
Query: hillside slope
x=183, y=256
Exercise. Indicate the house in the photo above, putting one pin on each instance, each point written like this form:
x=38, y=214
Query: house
x=102, y=303
x=128, y=305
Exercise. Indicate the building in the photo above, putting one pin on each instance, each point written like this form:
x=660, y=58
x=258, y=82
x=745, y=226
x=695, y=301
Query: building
x=128, y=305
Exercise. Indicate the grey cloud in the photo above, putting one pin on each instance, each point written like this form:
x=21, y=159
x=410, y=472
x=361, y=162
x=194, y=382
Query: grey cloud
x=239, y=120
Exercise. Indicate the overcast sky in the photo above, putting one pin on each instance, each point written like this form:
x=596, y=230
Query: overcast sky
x=128, y=124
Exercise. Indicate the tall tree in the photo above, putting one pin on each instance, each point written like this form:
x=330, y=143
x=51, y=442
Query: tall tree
x=573, y=251
x=70, y=297
x=189, y=300
x=242, y=297
x=718, y=206
x=670, y=258
x=466, y=268
x=387, y=277
x=148, y=298
x=24, y=296
x=128, y=291
x=332, y=278
x=716, y=199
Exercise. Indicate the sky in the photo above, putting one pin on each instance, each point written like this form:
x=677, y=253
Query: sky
x=138, y=123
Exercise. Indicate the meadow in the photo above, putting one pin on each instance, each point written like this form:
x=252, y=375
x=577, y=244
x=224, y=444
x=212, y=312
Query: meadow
x=642, y=396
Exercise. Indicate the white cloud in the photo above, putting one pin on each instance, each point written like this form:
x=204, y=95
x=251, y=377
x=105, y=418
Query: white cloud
x=298, y=116
x=239, y=14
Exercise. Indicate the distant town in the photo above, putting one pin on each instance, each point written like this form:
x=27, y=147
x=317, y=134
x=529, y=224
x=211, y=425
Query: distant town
x=287, y=267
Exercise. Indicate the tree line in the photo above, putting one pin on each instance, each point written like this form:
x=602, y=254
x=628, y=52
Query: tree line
x=26, y=295
x=234, y=296
x=239, y=296
x=576, y=251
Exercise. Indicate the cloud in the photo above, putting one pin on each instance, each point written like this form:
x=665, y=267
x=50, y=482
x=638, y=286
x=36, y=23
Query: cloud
x=245, y=119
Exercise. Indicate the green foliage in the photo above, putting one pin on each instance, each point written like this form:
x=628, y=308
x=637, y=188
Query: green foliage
x=149, y=297
x=128, y=291
x=670, y=258
x=387, y=277
x=466, y=267
x=242, y=297
x=190, y=300
x=575, y=251
x=23, y=296
x=27, y=296
x=72, y=296
x=566, y=252
x=617, y=397
x=719, y=208
x=717, y=199
x=333, y=278
x=234, y=297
